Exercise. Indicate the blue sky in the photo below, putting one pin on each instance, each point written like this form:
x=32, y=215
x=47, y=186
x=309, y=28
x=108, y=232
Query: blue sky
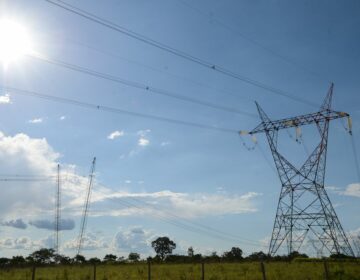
x=201, y=175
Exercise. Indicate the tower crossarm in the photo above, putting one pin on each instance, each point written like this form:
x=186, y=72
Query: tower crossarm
x=318, y=117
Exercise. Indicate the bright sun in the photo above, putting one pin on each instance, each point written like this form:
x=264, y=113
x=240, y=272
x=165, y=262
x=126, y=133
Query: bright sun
x=14, y=41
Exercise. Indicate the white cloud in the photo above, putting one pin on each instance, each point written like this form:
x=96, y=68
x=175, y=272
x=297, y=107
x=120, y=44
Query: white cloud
x=26, y=243
x=90, y=241
x=62, y=118
x=136, y=239
x=352, y=190
x=127, y=181
x=187, y=205
x=21, y=154
x=16, y=243
x=37, y=120
x=5, y=99
x=164, y=143
x=115, y=134
x=143, y=142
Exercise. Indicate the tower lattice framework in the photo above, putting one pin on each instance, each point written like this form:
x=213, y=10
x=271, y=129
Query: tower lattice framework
x=304, y=207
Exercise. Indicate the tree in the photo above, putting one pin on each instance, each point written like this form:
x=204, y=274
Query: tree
x=42, y=256
x=190, y=252
x=110, y=258
x=163, y=246
x=79, y=259
x=134, y=257
x=258, y=256
x=4, y=261
x=121, y=259
x=94, y=260
x=18, y=260
x=234, y=254
x=296, y=254
x=61, y=259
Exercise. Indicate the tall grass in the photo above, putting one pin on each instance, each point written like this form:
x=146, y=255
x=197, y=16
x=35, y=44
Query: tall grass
x=213, y=271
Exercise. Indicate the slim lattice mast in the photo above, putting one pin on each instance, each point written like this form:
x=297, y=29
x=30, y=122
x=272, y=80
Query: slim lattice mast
x=57, y=210
x=304, y=208
x=86, y=206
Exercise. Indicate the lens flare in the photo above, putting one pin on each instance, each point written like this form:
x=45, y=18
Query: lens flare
x=14, y=41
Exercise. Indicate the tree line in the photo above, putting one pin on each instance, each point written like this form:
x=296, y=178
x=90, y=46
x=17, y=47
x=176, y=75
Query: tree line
x=163, y=247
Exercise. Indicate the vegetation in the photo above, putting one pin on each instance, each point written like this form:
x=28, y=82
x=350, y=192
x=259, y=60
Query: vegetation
x=230, y=265
x=213, y=271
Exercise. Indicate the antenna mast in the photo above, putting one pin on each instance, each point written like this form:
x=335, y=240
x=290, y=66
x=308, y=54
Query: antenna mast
x=86, y=206
x=57, y=210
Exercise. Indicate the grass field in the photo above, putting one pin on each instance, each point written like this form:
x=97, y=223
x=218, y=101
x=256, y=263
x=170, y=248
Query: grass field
x=213, y=271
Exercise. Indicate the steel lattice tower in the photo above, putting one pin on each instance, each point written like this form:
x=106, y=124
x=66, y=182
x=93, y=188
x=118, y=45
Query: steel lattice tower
x=57, y=211
x=304, y=207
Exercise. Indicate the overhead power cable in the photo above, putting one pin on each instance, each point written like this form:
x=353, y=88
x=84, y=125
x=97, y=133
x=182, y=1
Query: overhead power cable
x=202, y=226
x=25, y=179
x=158, y=69
x=357, y=165
x=251, y=40
x=178, y=223
x=114, y=110
x=138, y=85
x=174, y=51
x=183, y=221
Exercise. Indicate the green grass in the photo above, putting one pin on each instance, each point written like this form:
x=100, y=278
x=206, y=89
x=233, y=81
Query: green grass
x=214, y=271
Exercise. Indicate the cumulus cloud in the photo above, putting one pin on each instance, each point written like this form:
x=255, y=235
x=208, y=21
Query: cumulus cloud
x=35, y=200
x=135, y=239
x=62, y=118
x=37, y=120
x=16, y=243
x=352, y=190
x=26, y=243
x=65, y=224
x=32, y=157
x=143, y=142
x=90, y=241
x=5, y=99
x=115, y=134
x=18, y=223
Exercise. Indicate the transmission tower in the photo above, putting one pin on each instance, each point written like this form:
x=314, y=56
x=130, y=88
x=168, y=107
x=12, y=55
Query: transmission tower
x=304, y=207
x=57, y=210
x=318, y=247
x=86, y=206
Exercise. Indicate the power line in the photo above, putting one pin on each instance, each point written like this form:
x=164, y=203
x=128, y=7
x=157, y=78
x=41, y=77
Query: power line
x=138, y=85
x=179, y=53
x=177, y=223
x=254, y=42
x=178, y=218
x=357, y=166
x=157, y=69
x=111, y=109
x=195, y=223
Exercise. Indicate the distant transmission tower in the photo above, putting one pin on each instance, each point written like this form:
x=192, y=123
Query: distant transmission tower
x=57, y=210
x=304, y=207
x=318, y=246
x=86, y=206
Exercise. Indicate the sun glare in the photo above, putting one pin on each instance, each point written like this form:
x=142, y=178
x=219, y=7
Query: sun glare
x=14, y=41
